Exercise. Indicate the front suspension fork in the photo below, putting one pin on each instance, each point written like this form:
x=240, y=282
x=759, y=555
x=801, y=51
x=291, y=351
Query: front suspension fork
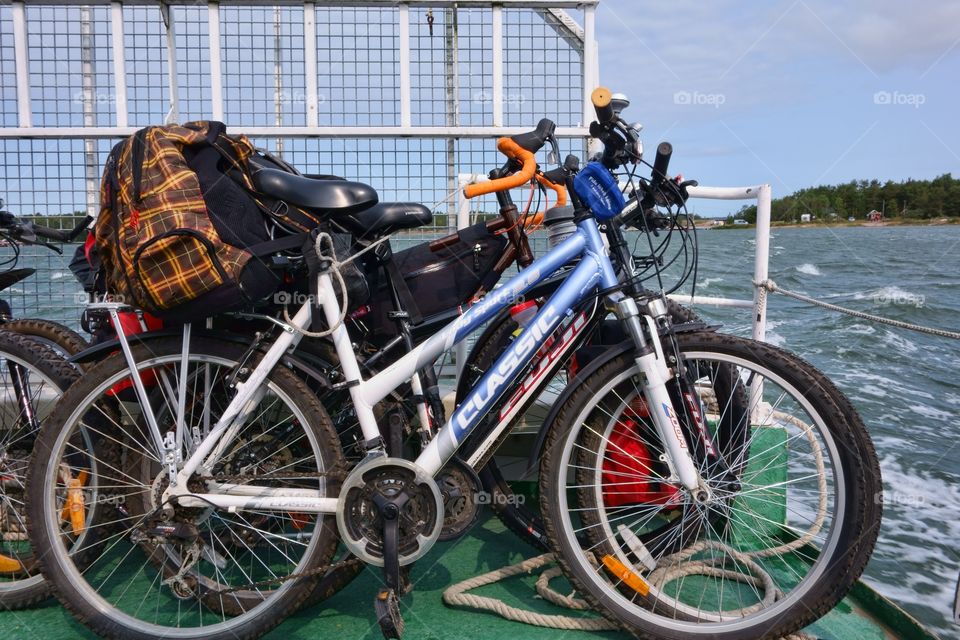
x=655, y=375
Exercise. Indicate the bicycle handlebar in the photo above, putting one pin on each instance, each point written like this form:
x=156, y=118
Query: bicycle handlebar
x=28, y=232
x=660, y=164
x=554, y=180
x=509, y=148
x=602, y=101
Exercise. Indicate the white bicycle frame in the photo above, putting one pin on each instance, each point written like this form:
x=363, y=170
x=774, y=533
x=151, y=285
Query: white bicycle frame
x=594, y=269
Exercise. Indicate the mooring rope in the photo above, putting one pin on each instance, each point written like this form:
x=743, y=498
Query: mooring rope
x=772, y=287
x=669, y=568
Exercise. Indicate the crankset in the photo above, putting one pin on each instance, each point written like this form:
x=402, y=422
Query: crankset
x=371, y=491
x=390, y=514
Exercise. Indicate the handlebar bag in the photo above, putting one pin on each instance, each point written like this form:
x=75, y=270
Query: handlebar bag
x=599, y=190
x=438, y=281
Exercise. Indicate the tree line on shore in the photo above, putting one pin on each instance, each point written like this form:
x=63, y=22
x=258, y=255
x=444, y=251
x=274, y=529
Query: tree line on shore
x=915, y=199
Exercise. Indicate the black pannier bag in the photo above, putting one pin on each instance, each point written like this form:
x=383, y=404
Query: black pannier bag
x=438, y=280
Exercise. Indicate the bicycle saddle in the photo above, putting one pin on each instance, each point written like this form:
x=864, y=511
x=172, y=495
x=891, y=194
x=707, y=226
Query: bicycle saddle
x=328, y=196
x=385, y=218
x=12, y=277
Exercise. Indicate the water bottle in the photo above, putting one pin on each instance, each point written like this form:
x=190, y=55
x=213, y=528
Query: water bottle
x=559, y=223
x=523, y=314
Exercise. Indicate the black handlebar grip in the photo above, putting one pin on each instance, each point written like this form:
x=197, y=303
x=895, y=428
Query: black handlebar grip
x=534, y=140
x=57, y=235
x=603, y=102
x=662, y=162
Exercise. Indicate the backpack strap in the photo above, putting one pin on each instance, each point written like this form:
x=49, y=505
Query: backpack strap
x=403, y=291
x=286, y=243
x=136, y=160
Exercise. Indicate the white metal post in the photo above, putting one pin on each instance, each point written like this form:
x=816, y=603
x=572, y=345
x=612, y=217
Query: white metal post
x=463, y=221
x=590, y=65
x=90, y=161
x=497, y=44
x=21, y=63
x=405, y=117
x=277, y=78
x=310, y=62
x=216, y=69
x=119, y=63
x=761, y=263
x=173, y=115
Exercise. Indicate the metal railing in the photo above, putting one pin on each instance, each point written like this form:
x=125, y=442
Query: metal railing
x=761, y=260
x=401, y=95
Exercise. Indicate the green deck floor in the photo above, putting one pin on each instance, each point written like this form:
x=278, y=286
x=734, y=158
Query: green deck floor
x=349, y=615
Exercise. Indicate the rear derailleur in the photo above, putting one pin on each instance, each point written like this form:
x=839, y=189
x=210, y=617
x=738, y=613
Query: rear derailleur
x=183, y=536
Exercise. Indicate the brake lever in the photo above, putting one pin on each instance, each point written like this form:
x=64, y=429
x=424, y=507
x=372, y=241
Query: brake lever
x=682, y=189
x=553, y=156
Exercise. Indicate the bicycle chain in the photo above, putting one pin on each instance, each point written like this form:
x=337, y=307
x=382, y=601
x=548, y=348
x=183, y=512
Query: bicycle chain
x=283, y=475
x=322, y=569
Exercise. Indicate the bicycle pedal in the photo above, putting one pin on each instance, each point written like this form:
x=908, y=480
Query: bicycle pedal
x=387, y=607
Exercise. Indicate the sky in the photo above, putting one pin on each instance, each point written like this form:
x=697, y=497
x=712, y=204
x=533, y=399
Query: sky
x=794, y=93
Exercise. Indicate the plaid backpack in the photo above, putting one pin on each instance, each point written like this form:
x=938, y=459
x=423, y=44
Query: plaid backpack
x=180, y=229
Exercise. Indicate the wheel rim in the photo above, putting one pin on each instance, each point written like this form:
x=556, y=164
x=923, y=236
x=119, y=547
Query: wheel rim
x=672, y=600
x=285, y=550
x=16, y=445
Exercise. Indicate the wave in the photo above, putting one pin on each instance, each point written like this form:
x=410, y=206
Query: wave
x=912, y=563
x=706, y=282
x=809, y=269
x=891, y=294
x=58, y=275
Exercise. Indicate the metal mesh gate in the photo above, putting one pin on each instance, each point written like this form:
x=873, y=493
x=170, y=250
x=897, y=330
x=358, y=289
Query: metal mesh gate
x=405, y=96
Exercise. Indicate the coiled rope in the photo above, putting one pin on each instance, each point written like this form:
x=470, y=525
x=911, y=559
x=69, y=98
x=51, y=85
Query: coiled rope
x=772, y=287
x=669, y=568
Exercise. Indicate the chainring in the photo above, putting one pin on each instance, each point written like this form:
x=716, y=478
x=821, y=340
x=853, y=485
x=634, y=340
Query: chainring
x=460, y=486
x=361, y=523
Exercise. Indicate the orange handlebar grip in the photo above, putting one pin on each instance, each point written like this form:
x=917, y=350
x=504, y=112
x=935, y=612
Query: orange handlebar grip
x=559, y=189
x=533, y=221
x=511, y=149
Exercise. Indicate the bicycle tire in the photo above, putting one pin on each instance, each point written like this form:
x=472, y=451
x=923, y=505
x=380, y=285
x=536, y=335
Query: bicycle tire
x=54, y=334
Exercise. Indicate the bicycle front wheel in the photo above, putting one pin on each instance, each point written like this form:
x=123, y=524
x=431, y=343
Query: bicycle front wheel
x=135, y=570
x=786, y=526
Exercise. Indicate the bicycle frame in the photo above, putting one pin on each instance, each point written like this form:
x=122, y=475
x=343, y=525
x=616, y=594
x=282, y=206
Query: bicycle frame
x=594, y=269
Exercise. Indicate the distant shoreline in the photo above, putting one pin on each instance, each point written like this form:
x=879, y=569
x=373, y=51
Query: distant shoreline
x=893, y=222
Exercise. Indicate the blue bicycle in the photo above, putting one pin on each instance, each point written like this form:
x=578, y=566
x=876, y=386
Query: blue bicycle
x=693, y=485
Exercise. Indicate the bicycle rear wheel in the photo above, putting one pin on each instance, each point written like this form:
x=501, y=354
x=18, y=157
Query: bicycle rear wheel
x=201, y=572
